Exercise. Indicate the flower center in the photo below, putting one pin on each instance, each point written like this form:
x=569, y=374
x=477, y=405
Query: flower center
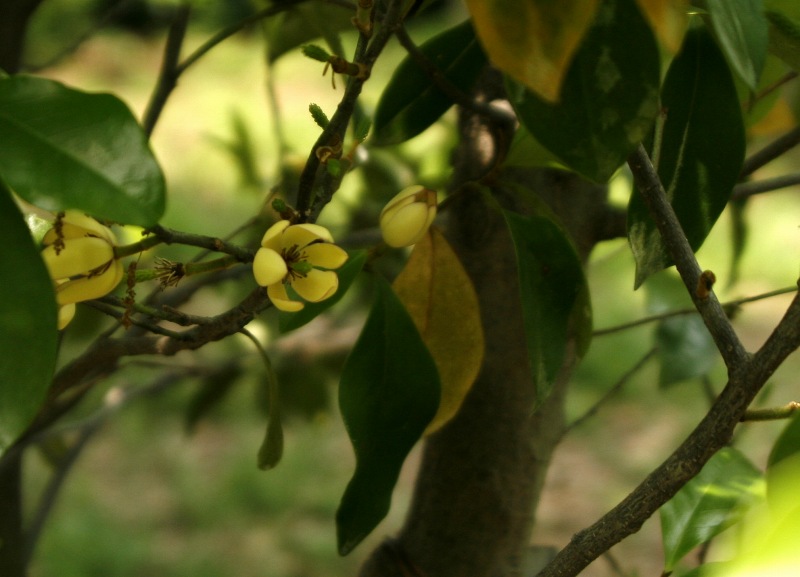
x=296, y=263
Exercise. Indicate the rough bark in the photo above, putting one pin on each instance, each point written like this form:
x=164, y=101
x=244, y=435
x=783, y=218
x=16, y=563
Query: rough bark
x=481, y=476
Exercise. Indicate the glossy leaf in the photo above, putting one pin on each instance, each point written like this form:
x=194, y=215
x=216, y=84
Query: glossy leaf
x=28, y=339
x=555, y=297
x=743, y=33
x=411, y=102
x=788, y=443
x=668, y=18
x=708, y=504
x=533, y=41
x=784, y=30
x=439, y=296
x=685, y=349
x=301, y=23
x=388, y=394
x=347, y=275
x=61, y=148
x=609, y=99
x=702, y=150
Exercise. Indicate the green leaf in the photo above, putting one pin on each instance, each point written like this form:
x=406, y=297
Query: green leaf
x=410, y=103
x=784, y=30
x=28, y=339
x=743, y=33
x=302, y=23
x=685, y=347
x=389, y=392
x=347, y=275
x=708, y=504
x=609, y=99
x=555, y=296
x=702, y=150
x=61, y=148
x=788, y=443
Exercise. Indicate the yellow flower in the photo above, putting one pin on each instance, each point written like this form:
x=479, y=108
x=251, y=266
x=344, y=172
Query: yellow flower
x=79, y=255
x=407, y=217
x=300, y=256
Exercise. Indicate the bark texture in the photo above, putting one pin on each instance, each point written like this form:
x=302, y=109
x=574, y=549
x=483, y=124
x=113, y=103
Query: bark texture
x=481, y=476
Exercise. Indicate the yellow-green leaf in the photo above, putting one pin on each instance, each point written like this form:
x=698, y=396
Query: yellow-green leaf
x=668, y=19
x=441, y=300
x=533, y=41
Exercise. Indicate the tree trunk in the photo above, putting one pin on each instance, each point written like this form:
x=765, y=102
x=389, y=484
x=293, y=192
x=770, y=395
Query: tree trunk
x=481, y=476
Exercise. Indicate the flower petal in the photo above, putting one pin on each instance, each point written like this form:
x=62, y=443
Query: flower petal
x=280, y=298
x=272, y=238
x=325, y=255
x=317, y=285
x=268, y=267
x=76, y=224
x=406, y=226
x=319, y=231
x=88, y=288
x=79, y=256
x=65, y=314
x=299, y=235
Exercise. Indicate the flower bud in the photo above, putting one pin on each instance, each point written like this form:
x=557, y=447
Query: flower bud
x=79, y=255
x=407, y=217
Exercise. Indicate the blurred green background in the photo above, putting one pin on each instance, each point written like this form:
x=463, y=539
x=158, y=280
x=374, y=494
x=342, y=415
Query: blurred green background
x=151, y=497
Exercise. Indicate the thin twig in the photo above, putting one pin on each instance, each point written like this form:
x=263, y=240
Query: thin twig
x=714, y=317
x=728, y=306
x=494, y=114
x=770, y=152
x=611, y=392
x=772, y=413
x=747, y=189
x=366, y=53
x=168, y=75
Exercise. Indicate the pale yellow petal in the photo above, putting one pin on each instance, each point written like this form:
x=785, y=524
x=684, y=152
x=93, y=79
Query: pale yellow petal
x=299, y=236
x=317, y=285
x=319, y=231
x=79, y=256
x=65, y=315
x=84, y=289
x=76, y=224
x=406, y=226
x=268, y=267
x=272, y=238
x=325, y=255
x=280, y=298
x=403, y=198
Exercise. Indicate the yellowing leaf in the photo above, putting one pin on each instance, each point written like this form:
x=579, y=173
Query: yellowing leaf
x=668, y=19
x=533, y=41
x=441, y=300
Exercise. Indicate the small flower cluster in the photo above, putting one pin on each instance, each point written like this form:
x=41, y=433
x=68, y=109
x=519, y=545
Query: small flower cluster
x=297, y=262
x=79, y=255
x=301, y=257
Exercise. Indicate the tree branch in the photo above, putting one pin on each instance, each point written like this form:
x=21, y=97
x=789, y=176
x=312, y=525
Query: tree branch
x=770, y=152
x=168, y=75
x=713, y=433
x=714, y=317
x=747, y=189
x=366, y=53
